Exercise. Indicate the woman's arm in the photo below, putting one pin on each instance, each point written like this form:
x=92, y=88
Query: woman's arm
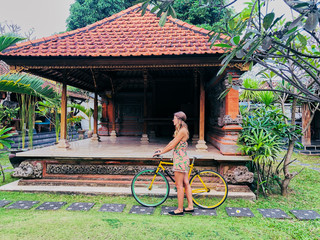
x=182, y=133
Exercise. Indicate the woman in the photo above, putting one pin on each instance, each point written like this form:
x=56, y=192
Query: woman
x=180, y=162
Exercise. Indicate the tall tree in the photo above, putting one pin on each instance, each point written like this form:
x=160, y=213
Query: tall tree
x=85, y=12
x=190, y=12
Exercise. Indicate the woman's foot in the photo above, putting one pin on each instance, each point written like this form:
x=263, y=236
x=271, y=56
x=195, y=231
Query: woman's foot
x=188, y=210
x=176, y=213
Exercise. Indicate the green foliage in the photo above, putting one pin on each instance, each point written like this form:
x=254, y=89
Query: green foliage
x=7, y=114
x=263, y=136
x=85, y=12
x=266, y=97
x=4, y=135
x=51, y=110
x=8, y=40
x=190, y=12
x=259, y=137
x=26, y=84
x=250, y=83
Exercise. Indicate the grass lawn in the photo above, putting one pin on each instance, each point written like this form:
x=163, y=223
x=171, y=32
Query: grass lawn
x=62, y=224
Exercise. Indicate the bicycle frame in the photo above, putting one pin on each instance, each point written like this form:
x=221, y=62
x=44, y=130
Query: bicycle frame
x=160, y=166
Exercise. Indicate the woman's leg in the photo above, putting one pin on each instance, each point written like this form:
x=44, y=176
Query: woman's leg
x=188, y=191
x=179, y=176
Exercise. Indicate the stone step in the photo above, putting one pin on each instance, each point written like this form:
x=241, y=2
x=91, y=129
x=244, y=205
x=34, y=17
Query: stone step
x=89, y=190
x=311, y=152
x=112, y=181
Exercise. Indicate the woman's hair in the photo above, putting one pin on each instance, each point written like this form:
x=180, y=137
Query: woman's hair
x=182, y=117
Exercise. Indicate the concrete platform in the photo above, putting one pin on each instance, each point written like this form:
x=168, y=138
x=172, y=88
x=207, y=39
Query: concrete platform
x=109, y=191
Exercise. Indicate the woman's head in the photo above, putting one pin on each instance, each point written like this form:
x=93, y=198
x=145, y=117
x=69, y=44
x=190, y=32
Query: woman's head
x=179, y=121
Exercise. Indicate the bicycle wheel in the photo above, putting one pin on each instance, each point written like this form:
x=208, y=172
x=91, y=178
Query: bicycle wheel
x=150, y=195
x=209, y=189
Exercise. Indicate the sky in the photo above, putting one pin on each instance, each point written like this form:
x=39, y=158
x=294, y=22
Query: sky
x=48, y=17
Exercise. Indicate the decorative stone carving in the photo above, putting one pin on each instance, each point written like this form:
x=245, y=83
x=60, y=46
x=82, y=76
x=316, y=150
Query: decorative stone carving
x=95, y=169
x=28, y=169
x=227, y=120
x=238, y=175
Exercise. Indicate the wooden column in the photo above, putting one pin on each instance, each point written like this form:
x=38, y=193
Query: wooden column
x=195, y=137
x=201, y=146
x=145, y=139
x=95, y=136
x=113, y=133
x=306, y=115
x=63, y=142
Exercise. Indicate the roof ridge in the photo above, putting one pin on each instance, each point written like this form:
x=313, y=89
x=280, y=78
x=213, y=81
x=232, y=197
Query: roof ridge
x=70, y=33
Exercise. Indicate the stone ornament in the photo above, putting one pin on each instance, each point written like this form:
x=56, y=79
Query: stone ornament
x=227, y=120
x=28, y=169
x=239, y=175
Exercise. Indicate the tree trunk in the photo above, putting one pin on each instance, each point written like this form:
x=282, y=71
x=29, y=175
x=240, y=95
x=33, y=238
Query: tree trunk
x=286, y=173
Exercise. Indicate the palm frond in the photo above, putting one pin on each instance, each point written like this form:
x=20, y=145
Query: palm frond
x=7, y=40
x=26, y=84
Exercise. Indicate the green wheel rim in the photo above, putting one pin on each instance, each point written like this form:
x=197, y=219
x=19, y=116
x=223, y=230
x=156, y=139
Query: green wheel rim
x=150, y=197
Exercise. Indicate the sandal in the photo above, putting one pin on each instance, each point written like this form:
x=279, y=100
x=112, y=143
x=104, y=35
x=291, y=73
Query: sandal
x=172, y=213
x=188, y=211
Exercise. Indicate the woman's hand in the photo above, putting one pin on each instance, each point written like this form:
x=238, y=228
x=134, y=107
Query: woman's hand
x=157, y=152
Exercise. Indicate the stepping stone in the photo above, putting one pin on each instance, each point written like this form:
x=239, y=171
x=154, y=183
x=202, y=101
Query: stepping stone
x=305, y=214
x=22, y=205
x=4, y=203
x=273, y=213
x=142, y=210
x=165, y=210
x=51, y=206
x=80, y=206
x=108, y=207
x=239, y=212
x=207, y=212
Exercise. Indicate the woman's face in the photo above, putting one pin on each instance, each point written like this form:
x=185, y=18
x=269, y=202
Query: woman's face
x=175, y=120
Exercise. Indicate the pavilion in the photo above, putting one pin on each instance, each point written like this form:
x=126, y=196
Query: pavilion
x=143, y=73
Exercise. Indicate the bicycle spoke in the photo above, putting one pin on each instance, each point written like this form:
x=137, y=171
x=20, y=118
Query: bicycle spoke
x=209, y=189
x=150, y=189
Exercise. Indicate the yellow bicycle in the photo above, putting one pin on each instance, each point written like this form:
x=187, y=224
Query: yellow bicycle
x=151, y=188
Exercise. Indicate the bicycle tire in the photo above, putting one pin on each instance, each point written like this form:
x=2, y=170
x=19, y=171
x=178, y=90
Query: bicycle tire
x=155, y=196
x=213, y=194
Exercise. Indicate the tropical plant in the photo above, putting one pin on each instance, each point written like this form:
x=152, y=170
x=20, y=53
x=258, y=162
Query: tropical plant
x=51, y=110
x=87, y=111
x=7, y=114
x=263, y=136
x=247, y=94
x=5, y=142
x=29, y=89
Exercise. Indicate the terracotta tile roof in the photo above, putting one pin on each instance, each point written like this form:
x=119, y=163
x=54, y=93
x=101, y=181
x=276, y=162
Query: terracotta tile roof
x=126, y=33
